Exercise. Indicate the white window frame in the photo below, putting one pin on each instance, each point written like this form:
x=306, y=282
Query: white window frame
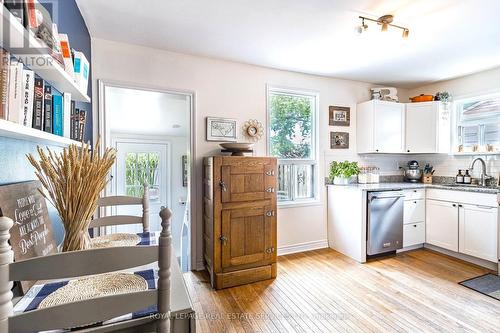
x=456, y=115
x=314, y=160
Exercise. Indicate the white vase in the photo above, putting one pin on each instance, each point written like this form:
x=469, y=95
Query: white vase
x=344, y=180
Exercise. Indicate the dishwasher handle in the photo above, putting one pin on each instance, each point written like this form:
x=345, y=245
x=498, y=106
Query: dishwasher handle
x=390, y=195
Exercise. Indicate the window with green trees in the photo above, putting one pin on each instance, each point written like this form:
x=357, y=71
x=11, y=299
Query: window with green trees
x=292, y=139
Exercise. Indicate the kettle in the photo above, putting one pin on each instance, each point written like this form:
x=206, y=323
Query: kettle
x=413, y=173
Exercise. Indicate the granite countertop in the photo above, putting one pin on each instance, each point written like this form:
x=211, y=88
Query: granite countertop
x=403, y=186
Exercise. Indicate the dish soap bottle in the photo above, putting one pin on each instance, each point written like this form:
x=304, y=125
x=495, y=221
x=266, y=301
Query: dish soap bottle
x=467, y=178
x=460, y=177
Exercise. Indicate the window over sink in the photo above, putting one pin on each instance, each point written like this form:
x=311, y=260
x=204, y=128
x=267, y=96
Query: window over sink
x=478, y=123
x=293, y=139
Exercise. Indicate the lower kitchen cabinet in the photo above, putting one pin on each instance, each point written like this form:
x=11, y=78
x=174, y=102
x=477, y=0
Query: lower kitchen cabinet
x=478, y=229
x=413, y=234
x=442, y=224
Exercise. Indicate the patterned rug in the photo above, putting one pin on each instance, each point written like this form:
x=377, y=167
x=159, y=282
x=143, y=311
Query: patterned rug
x=488, y=284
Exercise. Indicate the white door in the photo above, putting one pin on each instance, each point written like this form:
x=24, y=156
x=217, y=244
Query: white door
x=442, y=224
x=389, y=127
x=478, y=231
x=421, y=128
x=138, y=163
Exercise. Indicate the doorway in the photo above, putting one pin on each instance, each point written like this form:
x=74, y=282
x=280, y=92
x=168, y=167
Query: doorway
x=151, y=131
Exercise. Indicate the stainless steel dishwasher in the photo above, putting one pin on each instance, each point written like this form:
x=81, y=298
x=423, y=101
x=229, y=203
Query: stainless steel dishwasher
x=384, y=222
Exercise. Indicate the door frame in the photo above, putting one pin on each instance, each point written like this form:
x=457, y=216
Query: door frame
x=99, y=115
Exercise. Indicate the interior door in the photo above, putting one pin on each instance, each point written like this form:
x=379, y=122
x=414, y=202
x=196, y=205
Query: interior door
x=248, y=182
x=389, y=127
x=137, y=163
x=442, y=224
x=421, y=128
x=247, y=236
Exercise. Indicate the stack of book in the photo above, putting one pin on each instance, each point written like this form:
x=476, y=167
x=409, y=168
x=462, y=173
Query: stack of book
x=29, y=101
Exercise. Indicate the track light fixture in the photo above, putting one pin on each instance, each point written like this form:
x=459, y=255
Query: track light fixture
x=385, y=21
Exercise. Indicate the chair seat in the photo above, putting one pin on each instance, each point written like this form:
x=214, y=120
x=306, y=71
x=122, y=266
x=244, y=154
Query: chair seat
x=39, y=292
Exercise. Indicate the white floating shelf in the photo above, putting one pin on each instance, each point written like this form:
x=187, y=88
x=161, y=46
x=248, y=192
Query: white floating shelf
x=48, y=68
x=12, y=130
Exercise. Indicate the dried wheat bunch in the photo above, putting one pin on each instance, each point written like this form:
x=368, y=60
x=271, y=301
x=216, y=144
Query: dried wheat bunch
x=73, y=181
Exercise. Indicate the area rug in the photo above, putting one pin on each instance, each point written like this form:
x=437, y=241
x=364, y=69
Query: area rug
x=488, y=284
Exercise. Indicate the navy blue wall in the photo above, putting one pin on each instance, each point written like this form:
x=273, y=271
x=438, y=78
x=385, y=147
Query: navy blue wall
x=13, y=164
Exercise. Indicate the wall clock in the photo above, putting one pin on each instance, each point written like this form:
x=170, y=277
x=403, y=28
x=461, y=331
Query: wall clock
x=253, y=129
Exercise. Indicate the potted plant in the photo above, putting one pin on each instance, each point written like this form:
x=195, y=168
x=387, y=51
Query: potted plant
x=343, y=173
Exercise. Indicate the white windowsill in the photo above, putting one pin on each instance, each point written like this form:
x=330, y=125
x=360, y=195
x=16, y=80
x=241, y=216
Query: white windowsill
x=301, y=203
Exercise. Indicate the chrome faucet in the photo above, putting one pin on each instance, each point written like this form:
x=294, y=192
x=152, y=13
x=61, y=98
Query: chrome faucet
x=484, y=176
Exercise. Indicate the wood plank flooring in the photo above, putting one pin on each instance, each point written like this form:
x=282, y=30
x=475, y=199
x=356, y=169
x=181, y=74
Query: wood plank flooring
x=324, y=291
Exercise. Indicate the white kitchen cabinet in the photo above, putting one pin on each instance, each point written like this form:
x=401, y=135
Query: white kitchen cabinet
x=414, y=211
x=380, y=127
x=478, y=229
x=427, y=128
x=413, y=234
x=442, y=224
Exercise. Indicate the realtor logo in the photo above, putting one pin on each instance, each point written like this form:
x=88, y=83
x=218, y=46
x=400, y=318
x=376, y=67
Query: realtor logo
x=28, y=32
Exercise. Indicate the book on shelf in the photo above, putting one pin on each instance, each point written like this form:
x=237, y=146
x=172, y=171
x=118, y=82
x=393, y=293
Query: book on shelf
x=38, y=105
x=29, y=94
x=47, y=109
x=56, y=50
x=15, y=93
x=67, y=115
x=76, y=123
x=81, y=125
x=57, y=115
x=4, y=82
x=82, y=69
x=66, y=53
x=16, y=8
x=72, y=121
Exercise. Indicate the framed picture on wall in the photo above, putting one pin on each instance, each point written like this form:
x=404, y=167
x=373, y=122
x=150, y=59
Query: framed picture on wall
x=339, y=116
x=221, y=129
x=339, y=140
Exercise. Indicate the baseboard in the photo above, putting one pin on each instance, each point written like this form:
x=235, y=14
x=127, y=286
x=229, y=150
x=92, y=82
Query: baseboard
x=410, y=248
x=480, y=262
x=303, y=247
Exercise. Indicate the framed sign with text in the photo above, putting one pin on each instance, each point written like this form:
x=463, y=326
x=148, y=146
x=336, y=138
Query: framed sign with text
x=31, y=236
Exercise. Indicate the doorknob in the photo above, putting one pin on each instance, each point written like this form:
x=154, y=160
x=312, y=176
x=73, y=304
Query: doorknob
x=270, y=173
x=223, y=239
x=270, y=213
x=223, y=186
x=270, y=190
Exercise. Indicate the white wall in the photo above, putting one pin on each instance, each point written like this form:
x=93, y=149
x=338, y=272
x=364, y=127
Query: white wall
x=228, y=89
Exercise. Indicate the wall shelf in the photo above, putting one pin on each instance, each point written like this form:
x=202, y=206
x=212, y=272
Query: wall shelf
x=12, y=130
x=50, y=70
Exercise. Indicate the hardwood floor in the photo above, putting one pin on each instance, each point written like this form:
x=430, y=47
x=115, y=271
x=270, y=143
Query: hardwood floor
x=324, y=291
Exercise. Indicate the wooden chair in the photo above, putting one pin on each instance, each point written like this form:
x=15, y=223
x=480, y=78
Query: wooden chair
x=124, y=219
x=82, y=263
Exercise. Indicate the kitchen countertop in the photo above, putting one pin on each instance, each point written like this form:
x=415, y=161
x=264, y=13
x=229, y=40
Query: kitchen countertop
x=403, y=186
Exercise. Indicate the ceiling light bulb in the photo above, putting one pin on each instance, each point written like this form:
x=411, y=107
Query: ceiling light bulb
x=384, y=27
x=406, y=32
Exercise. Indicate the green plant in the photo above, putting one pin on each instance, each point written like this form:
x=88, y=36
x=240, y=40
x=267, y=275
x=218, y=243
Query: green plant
x=344, y=169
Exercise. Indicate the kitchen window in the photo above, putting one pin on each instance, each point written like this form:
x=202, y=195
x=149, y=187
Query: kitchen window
x=478, y=123
x=293, y=139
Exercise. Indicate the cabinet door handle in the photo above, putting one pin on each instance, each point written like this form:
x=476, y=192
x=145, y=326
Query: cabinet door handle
x=454, y=205
x=414, y=202
x=414, y=225
x=270, y=190
x=270, y=173
x=223, y=186
x=460, y=205
x=223, y=239
x=270, y=213
x=484, y=207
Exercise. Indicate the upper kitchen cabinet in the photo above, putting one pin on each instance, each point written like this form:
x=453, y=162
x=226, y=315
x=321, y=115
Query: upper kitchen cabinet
x=427, y=128
x=380, y=127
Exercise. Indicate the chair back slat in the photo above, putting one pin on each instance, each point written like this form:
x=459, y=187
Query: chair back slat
x=118, y=201
x=82, y=312
x=115, y=220
x=80, y=263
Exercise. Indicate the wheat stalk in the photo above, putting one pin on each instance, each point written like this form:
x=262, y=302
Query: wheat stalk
x=73, y=181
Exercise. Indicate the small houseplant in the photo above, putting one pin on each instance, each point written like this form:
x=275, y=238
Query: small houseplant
x=73, y=180
x=343, y=173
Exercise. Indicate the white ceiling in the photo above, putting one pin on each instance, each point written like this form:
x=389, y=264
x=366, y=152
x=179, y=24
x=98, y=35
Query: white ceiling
x=144, y=112
x=448, y=38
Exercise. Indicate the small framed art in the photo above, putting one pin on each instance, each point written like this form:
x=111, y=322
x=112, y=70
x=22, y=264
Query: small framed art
x=339, y=116
x=221, y=129
x=339, y=140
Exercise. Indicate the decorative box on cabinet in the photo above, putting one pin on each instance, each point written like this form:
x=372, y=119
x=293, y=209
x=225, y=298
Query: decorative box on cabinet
x=239, y=214
x=380, y=127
